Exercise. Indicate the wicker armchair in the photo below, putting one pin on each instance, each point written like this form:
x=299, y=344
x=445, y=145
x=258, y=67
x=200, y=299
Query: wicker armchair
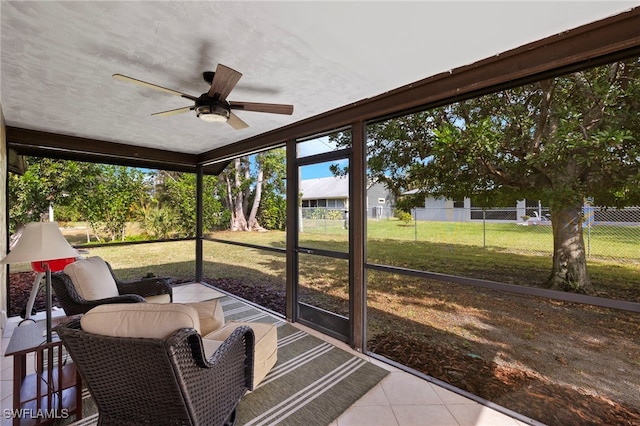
x=129, y=292
x=150, y=381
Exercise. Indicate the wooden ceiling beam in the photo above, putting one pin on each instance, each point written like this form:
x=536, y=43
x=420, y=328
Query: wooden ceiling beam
x=52, y=145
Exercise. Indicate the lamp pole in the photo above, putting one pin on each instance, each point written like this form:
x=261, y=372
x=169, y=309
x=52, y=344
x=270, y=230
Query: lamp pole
x=49, y=301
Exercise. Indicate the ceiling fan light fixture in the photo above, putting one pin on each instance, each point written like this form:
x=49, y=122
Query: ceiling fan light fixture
x=212, y=113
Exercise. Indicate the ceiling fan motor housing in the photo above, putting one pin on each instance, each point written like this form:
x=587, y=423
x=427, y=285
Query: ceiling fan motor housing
x=211, y=109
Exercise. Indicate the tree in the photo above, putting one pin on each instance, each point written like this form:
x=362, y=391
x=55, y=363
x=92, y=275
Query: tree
x=244, y=180
x=123, y=189
x=46, y=182
x=176, y=193
x=105, y=196
x=272, y=213
x=561, y=140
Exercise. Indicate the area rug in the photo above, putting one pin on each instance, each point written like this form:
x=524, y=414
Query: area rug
x=312, y=383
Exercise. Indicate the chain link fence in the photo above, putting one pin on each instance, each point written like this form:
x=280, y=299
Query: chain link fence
x=609, y=234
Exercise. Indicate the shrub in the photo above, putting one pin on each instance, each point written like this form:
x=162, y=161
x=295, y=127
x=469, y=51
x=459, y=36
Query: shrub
x=404, y=216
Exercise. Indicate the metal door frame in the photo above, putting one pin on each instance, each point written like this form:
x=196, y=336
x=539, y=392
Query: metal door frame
x=327, y=322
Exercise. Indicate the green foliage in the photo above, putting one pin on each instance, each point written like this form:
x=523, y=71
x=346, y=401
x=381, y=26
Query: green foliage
x=123, y=189
x=408, y=202
x=250, y=181
x=273, y=212
x=106, y=196
x=562, y=139
x=159, y=223
x=179, y=198
x=404, y=216
x=176, y=193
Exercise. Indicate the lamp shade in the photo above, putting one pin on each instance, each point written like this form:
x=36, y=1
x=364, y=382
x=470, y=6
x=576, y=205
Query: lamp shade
x=40, y=241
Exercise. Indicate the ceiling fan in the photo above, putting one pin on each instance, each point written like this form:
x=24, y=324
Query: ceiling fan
x=212, y=106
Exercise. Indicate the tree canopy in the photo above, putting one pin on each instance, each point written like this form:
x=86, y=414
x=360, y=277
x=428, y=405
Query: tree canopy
x=561, y=140
x=164, y=203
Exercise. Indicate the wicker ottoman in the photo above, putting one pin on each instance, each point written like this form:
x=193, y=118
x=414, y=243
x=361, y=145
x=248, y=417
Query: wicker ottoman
x=266, y=346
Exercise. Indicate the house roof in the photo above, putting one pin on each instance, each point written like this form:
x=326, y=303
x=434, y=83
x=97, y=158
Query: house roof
x=57, y=60
x=327, y=187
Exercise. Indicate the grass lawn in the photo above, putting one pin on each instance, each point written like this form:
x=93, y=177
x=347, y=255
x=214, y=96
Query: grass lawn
x=509, y=253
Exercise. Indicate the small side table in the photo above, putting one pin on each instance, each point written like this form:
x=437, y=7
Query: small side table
x=54, y=391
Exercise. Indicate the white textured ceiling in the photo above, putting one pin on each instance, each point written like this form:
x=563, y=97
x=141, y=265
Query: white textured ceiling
x=57, y=58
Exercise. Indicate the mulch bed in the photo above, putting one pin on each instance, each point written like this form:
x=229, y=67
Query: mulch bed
x=519, y=390
x=261, y=294
x=19, y=291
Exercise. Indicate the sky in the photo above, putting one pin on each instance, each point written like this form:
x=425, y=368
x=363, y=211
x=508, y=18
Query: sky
x=317, y=146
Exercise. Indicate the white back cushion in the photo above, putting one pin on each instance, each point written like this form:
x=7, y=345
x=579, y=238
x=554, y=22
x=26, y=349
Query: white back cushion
x=151, y=320
x=91, y=278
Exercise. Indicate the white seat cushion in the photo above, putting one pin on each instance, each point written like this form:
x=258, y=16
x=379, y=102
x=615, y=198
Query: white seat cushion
x=210, y=314
x=158, y=298
x=92, y=279
x=265, y=352
x=149, y=320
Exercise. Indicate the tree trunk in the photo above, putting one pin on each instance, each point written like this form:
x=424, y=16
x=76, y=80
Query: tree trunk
x=238, y=221
x=569, y=272
x=253, y=222
x=236, y=197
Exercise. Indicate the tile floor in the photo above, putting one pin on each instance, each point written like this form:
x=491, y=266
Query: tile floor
x=401, y=399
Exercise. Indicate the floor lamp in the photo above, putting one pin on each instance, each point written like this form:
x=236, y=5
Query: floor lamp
x=42, y=243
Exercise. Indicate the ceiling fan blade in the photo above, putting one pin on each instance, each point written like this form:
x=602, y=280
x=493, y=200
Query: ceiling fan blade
x=152, y=86
x=224, y=80
x=260, y=107
x=237, y=123
x=172, y=112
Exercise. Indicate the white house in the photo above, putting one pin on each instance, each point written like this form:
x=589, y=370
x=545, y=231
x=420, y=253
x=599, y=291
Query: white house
x=332, y=193
x=448, y=210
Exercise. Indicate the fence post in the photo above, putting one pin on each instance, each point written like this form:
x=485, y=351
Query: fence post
x=324, y=215
x=484, y=227
x=415, y=225
x=588, y=214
